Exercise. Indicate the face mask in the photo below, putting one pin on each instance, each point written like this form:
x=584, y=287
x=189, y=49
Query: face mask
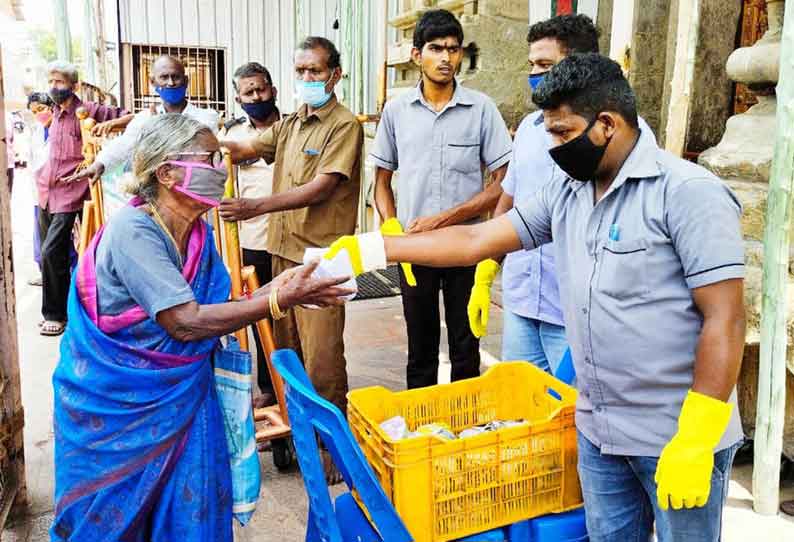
x=535, y=79
x=202, y=183
x=43, y=117
x=60, y=95
x=312, y=92
x=170, y=95
x=579, y=158
x=260, y=110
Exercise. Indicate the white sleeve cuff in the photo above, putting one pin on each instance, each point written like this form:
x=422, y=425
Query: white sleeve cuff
x=373, y=253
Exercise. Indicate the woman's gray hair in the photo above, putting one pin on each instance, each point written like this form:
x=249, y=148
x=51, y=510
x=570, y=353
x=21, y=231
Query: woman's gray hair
x=161, y=137
x=66, y=69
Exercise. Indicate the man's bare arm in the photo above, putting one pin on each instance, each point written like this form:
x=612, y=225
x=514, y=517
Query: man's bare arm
x=384, y=195
x=718, y=357
x=504, y=204
x=455, y=246
x=480, y=204
x=240, y=150
x=314, y=192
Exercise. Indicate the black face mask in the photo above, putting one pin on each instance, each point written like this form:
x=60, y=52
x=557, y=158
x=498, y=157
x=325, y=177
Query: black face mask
x=260, y=110
x=579, y=157
x=60, y=95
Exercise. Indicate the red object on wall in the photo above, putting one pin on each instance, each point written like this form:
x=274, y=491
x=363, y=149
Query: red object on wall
x=564, y=7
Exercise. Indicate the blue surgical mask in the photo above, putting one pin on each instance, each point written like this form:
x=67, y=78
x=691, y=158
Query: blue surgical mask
x=171, y=95
x=535, y=79
x=312, y=92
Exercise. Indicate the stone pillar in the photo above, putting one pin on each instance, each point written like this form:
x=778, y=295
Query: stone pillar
x=745, y=151
x=603, y=22
x=743, y=158
x=712, y=89
x=649, y=59
x=651, y=66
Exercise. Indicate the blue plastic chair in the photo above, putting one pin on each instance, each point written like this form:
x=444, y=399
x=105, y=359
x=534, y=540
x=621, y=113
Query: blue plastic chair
x=565, y=371
x=311, y=416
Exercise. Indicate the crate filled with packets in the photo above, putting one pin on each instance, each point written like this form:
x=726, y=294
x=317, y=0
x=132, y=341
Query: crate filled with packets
x=461, y=458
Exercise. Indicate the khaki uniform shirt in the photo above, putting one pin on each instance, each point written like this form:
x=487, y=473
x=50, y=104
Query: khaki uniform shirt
x=254, y=180
x=301, y=146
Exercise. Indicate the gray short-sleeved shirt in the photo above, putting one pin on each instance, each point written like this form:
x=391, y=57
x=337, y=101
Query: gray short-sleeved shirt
x=440, y=155
x=138, y=265
x=630, y=317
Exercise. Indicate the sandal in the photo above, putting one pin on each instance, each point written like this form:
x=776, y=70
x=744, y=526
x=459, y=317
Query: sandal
x=51, y=328
x=787, y=507
x=332, y=474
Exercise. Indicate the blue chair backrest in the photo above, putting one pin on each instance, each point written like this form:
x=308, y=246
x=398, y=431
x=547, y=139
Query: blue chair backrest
x=566, y=372
x=310, y=416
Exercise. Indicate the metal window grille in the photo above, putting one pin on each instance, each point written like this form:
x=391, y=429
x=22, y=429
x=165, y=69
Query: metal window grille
x=205, y=67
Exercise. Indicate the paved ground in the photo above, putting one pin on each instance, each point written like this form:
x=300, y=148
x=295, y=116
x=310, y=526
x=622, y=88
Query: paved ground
x=376, y=346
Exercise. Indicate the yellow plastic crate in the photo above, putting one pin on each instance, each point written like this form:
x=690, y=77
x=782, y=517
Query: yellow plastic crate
x=444, y=490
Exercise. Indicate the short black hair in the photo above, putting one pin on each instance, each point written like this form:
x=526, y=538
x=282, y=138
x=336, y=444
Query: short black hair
x=251, y=69
x=576, y=33
x=318, y=42
x=434, y=24
x=588, y=83
x=40, y=98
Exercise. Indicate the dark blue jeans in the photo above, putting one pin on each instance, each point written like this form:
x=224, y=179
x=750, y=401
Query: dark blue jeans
x=620, y=499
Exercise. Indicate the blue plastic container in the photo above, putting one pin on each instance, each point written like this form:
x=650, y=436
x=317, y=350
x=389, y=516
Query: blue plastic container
x=565, y=527
x=517, y=532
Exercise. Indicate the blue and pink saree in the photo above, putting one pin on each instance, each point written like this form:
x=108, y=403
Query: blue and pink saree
x=140, y=450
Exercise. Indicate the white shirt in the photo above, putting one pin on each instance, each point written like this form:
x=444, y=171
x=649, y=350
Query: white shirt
x=118, y=150
x=254, y=180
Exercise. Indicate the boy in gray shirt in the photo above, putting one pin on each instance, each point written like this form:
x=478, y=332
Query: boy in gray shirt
x=439, y=135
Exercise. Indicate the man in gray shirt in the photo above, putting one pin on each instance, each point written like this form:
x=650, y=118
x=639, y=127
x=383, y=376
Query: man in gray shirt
x=650, y=262
x=439, y=135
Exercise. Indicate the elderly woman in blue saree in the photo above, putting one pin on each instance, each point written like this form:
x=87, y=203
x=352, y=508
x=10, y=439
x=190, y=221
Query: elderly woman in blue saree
x=140, y=449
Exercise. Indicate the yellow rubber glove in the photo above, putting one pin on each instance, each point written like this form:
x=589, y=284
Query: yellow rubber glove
x=480, y=301
x=392, y=226
x=349, y=243
x=366, y=251
x=683, y=474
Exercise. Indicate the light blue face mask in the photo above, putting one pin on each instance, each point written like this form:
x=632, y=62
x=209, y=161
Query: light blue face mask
x=312, y=92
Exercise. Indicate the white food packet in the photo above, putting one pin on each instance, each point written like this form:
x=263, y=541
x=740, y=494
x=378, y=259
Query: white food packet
x=396, y=428
x=338, y=266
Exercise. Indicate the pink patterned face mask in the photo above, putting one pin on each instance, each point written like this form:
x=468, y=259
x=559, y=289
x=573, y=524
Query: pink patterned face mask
x=203, y=182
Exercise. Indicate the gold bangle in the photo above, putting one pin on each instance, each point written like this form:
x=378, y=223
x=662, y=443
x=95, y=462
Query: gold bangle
x=275, y=311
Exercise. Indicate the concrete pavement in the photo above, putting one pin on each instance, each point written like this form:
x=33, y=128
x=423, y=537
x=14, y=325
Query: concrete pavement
x=376, y=351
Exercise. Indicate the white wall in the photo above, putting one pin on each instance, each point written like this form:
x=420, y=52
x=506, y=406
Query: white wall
x=262, y=31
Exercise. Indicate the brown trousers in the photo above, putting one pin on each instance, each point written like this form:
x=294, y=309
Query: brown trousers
x=317, y=336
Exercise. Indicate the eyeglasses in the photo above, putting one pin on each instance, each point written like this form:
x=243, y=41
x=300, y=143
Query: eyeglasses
x=214, y=157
